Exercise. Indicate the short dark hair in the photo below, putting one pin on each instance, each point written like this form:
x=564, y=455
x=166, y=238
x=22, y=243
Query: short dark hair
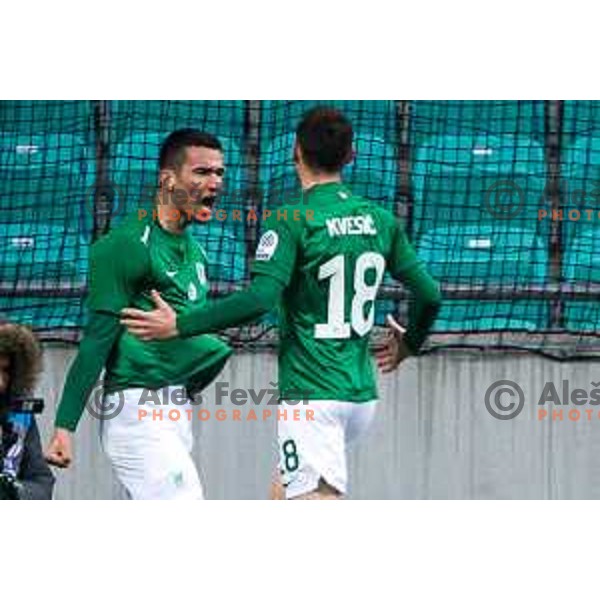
x=325, y=139
x=173, y=149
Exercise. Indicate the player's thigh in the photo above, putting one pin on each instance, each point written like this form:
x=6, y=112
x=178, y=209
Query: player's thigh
x=312, y=448
x=169, y=471
x=183, y=415
x=158, y=467
x=150, y=458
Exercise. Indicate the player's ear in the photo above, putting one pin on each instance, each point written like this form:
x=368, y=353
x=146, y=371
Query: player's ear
x=298, y=157
x=167, y=180
x=350, y=156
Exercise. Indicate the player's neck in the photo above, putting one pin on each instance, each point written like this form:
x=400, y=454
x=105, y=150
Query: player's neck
x=309, y=180
x=166, y=221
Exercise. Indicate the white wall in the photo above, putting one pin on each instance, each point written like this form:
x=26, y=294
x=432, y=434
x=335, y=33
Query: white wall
x=432, y=437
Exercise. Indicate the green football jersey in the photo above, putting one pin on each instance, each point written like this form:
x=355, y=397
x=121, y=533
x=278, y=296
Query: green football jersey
x=125, y=266
x=331, y=255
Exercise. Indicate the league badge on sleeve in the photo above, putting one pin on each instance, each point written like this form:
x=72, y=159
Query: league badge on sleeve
x=267, y=245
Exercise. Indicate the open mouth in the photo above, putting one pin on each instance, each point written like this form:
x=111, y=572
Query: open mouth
x=208, y=202
x=203, y=208
x=199, y=202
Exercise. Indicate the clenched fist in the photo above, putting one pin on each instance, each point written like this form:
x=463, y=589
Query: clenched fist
x=60, y=450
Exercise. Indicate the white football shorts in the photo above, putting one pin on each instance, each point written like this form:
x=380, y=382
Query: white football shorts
x=314, y=446
x=150, y=457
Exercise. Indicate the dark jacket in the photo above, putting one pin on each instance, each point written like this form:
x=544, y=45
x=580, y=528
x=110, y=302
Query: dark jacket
x=35, y=477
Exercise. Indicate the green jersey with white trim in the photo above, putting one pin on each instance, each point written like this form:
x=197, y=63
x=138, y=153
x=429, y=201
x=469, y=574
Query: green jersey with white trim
x=125, y=266
x=331, y=255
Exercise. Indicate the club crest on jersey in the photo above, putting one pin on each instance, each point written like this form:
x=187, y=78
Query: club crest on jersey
x=267, y=245
x=201, y=273
x=192, y=292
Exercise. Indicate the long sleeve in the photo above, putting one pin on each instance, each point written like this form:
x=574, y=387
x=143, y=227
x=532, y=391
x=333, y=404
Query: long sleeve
x=118, y=265
x=244, y=306
x=36, y=481
x=99, y=336
x=426, y=300
x=423, y=307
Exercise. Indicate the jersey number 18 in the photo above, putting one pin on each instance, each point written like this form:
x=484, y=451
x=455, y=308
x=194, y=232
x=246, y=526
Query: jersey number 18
x=336, y=327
